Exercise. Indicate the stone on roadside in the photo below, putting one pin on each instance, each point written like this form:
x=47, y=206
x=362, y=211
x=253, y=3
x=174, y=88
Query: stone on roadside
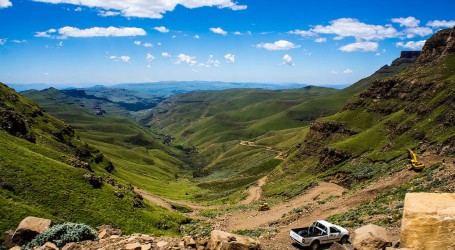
x=220, y=240
x=428, y=221
x=370, y=237
x=133, y=246
x=29, y=228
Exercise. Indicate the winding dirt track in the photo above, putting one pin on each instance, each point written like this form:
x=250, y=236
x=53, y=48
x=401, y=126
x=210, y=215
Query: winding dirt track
x=254, y=194
x=255, y=219
x=279, y=213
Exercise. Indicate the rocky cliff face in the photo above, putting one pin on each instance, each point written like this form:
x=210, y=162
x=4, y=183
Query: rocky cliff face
x=440, y=44
x=396, y=112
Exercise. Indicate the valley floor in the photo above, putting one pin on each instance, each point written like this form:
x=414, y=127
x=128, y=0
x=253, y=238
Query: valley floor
x=319, y=202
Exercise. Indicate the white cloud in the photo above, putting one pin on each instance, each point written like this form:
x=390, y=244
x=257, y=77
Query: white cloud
x=186, y=59
x=218, y=31
x=149, y=57
x=137, y=42
x=162, y=29
x=78, y=9
x=350, y=27
x=237, y=33
x=197, y=36
x=411, y=45
x=287, y=60
x=320, y=40
x=68, y=31
x=148, y=45
x=230, y=58
x=45, y=33
x=407, y=22
x=360, y=46
x=120, y=58
x=303, y=32
x=348, y=71
x=441, y=23
x=278, y=45
x=19, y=41
x=418, y=31
x=125, y=58
x=211, y=62
x=3, y=41
x=60, y=44
x=5, y=4
x=165, y=54
x=107, y=13
x=144, y=8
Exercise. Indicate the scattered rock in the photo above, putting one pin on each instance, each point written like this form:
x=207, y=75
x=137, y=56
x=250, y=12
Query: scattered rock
x=338, y=246
x=370, y=237
x=29, y=228
x=189, y=241
x=94, y=180
x=428, y=221
x=162, y=244
x=146, y=246
x=220, y=240
x=8, y=239
x=133, y=246
x=70, y=246
x=50, y=245
x=264, y=207
x=16, y=248
x=102, y=234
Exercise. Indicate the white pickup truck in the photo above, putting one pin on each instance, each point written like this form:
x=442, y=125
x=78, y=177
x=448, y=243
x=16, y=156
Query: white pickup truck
x=320, y=232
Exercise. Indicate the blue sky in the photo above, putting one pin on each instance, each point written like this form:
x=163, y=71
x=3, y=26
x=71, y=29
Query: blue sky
x=82, y=42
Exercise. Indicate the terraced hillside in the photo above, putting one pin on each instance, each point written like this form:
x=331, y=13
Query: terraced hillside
x=47, y=170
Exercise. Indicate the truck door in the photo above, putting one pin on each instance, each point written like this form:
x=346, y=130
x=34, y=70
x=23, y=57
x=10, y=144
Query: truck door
x=334, y=234
x=323, y=233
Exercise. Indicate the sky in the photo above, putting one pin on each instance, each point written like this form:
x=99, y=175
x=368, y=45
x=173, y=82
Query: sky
x=82, y=42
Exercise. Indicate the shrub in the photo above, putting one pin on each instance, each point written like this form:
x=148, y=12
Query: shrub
x=63, y=233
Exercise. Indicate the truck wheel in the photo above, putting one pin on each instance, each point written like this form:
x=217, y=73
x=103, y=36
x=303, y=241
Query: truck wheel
x=344, y=239
x=314, y=245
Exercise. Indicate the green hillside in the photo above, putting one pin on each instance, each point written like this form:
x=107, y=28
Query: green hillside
x=48, y=171
x=139, y=154
x=369, y=138
x=213, y=122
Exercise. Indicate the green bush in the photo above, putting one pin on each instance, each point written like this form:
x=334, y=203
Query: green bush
x=63, y=233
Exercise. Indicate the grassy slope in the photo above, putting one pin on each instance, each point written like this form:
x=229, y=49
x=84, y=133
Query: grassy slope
x=215, y=121
x=414, y=110
x=138, y=153
x=36, y=179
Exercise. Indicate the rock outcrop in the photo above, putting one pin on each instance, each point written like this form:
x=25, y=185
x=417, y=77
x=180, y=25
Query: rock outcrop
x=440, y=44
x=220, y=240
x=370, y=237
x=428, y=221
x=29, y=228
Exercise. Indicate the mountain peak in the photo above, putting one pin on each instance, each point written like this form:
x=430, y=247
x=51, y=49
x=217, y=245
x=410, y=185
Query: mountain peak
x=440, y=44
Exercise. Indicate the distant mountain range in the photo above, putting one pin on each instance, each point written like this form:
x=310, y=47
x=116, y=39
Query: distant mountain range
x=167, y=88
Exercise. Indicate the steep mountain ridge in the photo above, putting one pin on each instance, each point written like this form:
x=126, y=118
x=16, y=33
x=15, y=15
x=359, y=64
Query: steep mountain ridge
x=413, y=109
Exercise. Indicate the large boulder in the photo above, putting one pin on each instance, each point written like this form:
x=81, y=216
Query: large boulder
x=29, y=228
x=370, y=237
x=428, y=221
x=220, y=240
